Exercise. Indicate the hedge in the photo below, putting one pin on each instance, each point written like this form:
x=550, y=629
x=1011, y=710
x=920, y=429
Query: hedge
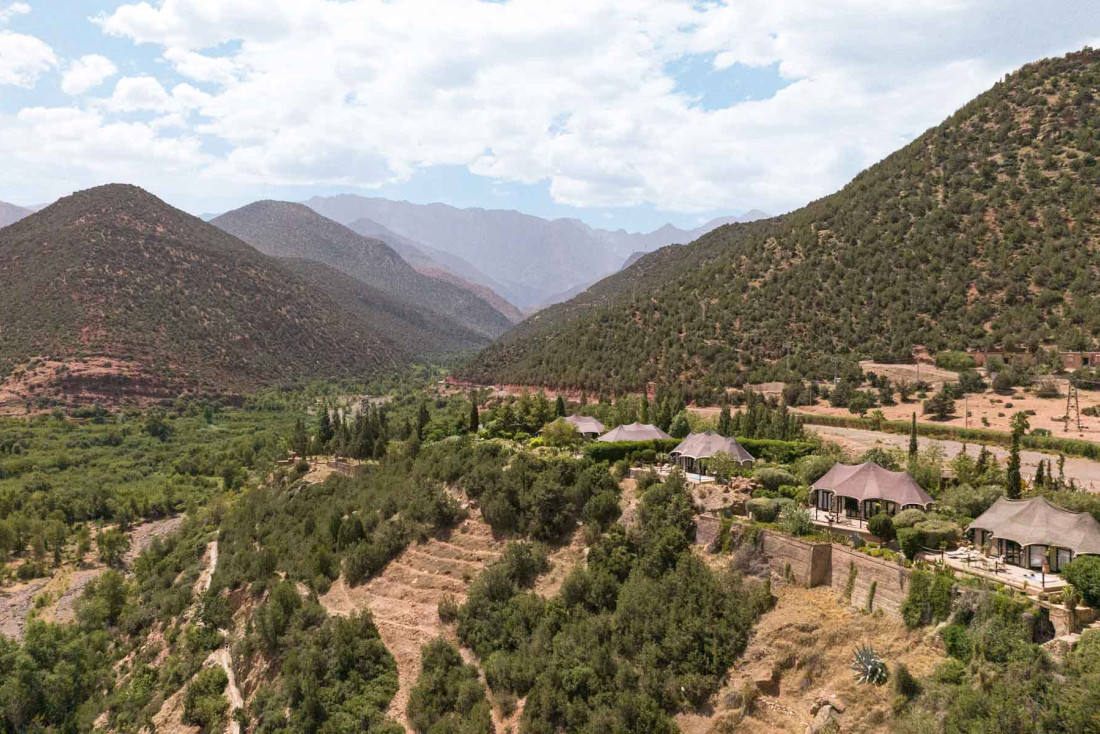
x=1036, y=442
x=765, y=449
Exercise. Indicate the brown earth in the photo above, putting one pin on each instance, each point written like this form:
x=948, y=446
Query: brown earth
x=81, y=382
x=805, y=643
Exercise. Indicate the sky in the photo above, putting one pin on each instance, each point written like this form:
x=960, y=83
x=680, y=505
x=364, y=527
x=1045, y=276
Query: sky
x=623, y=113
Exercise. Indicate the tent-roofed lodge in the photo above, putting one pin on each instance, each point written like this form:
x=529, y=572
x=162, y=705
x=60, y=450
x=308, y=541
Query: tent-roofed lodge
x=635, y=432
x=861, y=491
x=692, y=453
x=585, y=425
x=1034, y=531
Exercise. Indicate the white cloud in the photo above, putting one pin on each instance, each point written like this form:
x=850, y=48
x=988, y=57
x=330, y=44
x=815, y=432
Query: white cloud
x=86, y=73
x=23, y=59
x=10, y=11
x=575, y=93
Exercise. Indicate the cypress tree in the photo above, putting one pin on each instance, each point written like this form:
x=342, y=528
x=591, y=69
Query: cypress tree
x=724, y=421
x=475, y=419
x=324, y=429
x=1013, y=481
x=1040, y=477
x=422, y=418
x=645, y=409
x=559, y=406
x=913, y=447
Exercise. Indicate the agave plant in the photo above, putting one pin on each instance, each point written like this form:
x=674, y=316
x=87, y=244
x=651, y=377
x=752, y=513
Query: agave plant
x=869, y=667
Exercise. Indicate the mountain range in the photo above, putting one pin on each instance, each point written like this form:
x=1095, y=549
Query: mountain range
x=115, y=272
x=10, y=213
x=528, y=260
x=289, y=230
x=981, y=233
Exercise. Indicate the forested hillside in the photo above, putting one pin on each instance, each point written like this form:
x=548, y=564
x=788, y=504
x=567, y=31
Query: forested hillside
x=981, y=233
x=284, y=229
x=116, y=272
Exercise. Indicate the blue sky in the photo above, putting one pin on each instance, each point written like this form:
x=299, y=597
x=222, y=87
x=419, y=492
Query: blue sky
x=626, y=114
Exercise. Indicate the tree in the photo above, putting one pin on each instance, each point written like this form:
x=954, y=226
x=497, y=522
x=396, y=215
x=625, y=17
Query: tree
x=325, y=431
x=423, y=417
x=1013, y=481
x=881, y=526
x=859, y=403
x=113, y=545
x=940, y=406
x=559, y=407
x=680, y=427
x=1020, y=423
x=913, y=447
x=561, y=433
x=299, y=438
x=644, y=417
x=475, y=419
x=724, y=421
x=877, y=419
x=1084, y=573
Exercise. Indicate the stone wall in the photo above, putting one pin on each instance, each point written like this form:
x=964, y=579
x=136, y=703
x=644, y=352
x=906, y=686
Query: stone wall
x=828, y=564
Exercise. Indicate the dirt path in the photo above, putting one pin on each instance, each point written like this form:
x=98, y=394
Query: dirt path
x=1085, y=471
x=404, y=599
x=224, y=658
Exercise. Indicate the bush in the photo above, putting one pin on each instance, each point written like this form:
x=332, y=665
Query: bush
x=955, y=361
x=910, y=541
x=812, y=468
x=612, y=451
x=762, y=509
x=935, y=533
x=928, y=600
x=881, y=526
x=772, y=478
x=448, y=609
x=905, y=684
x=800, y=495
x=795, y=520
x=448, y=696
x=1084, y=573
x=957, y=643
x=908, y=518
x=967, y=501
x=204, y=704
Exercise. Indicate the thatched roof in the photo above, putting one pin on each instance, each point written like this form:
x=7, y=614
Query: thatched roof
x=705, y=445
x=585, y=424
x=634, y=432
x=1038, y=522
x=869, y=481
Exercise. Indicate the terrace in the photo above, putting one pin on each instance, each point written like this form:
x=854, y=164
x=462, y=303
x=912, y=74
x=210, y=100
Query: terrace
x=994, y=568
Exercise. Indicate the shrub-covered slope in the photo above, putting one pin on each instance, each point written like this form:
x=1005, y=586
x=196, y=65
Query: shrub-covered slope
x=284, y=229
x=115, y=271
x=982, y=232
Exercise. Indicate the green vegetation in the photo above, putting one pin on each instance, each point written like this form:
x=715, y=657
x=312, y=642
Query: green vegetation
x=448, y=696
x=204, y=703
x=974, y=235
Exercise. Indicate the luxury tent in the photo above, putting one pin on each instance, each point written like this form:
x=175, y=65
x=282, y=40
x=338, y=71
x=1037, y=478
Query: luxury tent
x=693, y=451
x=1023, y=531
x=635, y=432
x=863, y=490
x=588, y=427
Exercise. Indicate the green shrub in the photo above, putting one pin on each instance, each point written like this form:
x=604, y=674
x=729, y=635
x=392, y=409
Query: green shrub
x=795, y=520
x=773, y=478
x=936, y=533
x=908, y=518
x=910, y=541
x=800, y=495
x=881, y=526
x=612, y=451
x=951, y=672
x=929, y=598
x=204, y=703
x=955, y=361
x=956, y=640
x=448, y=609
x=1084, y=573
x=762, y=509
x=904, y=683
x=448, y=696
x=811, y=468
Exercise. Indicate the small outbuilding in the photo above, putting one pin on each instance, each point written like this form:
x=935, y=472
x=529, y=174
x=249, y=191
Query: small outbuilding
x=864, y=490
x=1030, y=532
x=635, y=432
x=692, y=453
x=585, y=425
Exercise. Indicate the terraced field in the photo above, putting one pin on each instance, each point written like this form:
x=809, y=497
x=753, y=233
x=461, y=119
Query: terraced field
x=405, y=597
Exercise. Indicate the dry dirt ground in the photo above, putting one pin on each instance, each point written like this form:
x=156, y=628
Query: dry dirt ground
x=79, y=382
x=64, y=587
x=806, y=643
x=856, y=441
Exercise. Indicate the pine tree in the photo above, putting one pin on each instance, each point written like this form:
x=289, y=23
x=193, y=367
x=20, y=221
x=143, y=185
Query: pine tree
x=422, y=419
x=475, y=419
x=724, y=421
x=559, y=407
x=913, y=447
x=324, y=429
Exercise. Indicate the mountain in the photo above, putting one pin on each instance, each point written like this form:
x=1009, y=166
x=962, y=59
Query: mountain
x=10, y=213
x=441, y=265
x=288, y=230
x=115, y=272
x=982, y=232
x=527, y=259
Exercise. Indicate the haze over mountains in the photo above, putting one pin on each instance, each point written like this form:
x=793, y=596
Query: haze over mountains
x=10, y=213
x=981, y=233
x=529, y=260
x=115, y=272
x=288, y=230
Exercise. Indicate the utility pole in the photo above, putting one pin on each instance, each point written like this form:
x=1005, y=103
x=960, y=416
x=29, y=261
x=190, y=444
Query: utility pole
x=1073, y=405
x=966, y=410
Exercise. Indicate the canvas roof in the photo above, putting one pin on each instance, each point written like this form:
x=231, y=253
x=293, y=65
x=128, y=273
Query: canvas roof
x=869, y=481
x=585, y=424
x=634, y=432
x=1038, y=522
x=705, y=445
